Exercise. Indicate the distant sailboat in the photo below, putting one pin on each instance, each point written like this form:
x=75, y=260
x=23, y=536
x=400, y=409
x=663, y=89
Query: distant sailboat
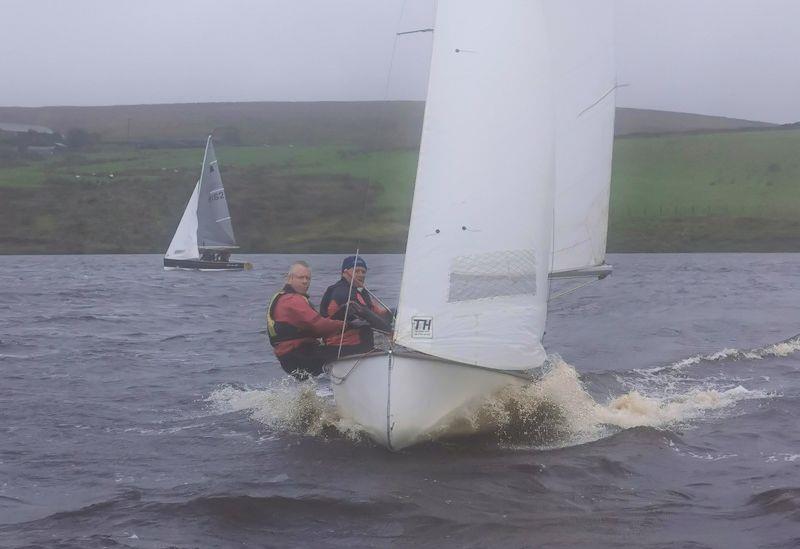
x=512, y=190
x=204, y=238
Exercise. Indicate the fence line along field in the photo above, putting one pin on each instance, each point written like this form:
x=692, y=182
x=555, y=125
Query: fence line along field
x=735, y=191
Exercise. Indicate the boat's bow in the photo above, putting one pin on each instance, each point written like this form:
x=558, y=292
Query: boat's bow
x=401, y=399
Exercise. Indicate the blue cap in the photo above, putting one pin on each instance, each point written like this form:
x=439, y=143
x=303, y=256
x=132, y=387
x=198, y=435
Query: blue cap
x=351, y=261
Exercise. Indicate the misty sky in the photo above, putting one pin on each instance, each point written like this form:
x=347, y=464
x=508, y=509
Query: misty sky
x=736, y=58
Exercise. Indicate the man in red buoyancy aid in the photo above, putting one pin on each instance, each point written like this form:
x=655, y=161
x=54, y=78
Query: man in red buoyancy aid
x=295, y=328
x=356, y=340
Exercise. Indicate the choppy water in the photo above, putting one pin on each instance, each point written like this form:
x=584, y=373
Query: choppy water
x=141, y=408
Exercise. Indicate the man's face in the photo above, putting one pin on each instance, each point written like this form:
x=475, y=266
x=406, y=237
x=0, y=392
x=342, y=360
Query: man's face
x=299, y=279
x=360, y=276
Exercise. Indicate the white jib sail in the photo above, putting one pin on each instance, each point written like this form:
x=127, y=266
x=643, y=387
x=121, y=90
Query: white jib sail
x=475, y=280
x=582, y=34
x=214, y=228
x=184, y=241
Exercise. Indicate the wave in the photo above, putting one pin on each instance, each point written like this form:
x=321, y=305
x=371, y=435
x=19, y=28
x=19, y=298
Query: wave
x=778, y=501
x=274, y=509
x=22, y=351
x=278, y=510
x=191, y=335
x=44, y=319
x=781, y=349
x=785, y=457
x=11, y=499
x=175, y=337
x=85, y=293
x=121, y=500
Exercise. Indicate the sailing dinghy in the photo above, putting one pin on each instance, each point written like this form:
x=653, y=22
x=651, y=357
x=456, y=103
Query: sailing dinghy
x=512, y=189
x=204, y=238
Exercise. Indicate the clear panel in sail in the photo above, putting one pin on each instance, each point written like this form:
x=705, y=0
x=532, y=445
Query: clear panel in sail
x=214, y=227
x=475, y=280
x=582, y=34
x=184, y=242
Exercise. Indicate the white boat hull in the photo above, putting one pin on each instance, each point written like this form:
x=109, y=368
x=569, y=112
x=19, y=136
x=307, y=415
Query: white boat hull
x=403, y=399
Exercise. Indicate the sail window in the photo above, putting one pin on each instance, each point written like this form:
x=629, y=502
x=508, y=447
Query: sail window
x=494, y=274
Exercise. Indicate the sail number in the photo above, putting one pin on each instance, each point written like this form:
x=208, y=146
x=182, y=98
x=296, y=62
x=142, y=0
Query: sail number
x=216, y=195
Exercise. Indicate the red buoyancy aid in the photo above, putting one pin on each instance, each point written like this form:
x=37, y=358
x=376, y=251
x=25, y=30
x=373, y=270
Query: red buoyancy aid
x=306, y=327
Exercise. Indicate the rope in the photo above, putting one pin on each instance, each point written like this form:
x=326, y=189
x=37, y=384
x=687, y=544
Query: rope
x=347, y=307
x=338, y=380
x=394, y=52
x=366, y=191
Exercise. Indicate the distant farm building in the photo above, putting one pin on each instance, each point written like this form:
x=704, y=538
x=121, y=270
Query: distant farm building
x=13, y=127
x=30, y=138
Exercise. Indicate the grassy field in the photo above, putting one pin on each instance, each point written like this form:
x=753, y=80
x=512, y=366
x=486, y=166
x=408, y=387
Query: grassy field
x=715, y=192
x=731, y=191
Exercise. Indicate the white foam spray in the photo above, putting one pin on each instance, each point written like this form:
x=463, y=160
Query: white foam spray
x=559, y=411
x=286, y=406
x=556, y=410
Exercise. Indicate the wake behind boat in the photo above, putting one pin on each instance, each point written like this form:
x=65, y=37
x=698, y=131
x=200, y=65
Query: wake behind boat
x=204, y=238
x=505, y=199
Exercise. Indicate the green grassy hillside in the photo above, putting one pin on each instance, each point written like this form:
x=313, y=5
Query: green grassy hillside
x=281, y=198
x=716, y=192
x=732, y=191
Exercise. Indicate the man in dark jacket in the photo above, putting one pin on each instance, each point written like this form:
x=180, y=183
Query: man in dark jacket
x=351, y=287
x=295, y=327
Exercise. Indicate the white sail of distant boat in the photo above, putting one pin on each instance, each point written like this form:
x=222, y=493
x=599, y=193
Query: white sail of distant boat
x=184, y=242
x=512, y=187
x=204, y=236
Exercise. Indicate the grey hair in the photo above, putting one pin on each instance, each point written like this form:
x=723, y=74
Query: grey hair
x=297, y=263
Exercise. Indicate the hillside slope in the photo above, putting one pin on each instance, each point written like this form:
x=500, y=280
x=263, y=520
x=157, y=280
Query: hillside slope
x=335, y=183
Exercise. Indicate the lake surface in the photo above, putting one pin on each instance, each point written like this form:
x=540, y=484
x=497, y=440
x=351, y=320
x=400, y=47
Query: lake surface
x=143, y=408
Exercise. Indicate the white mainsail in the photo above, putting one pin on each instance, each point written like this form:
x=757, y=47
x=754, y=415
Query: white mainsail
x=475, y=279
x=184, y=241
x=214, y=228
x=582, y=36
